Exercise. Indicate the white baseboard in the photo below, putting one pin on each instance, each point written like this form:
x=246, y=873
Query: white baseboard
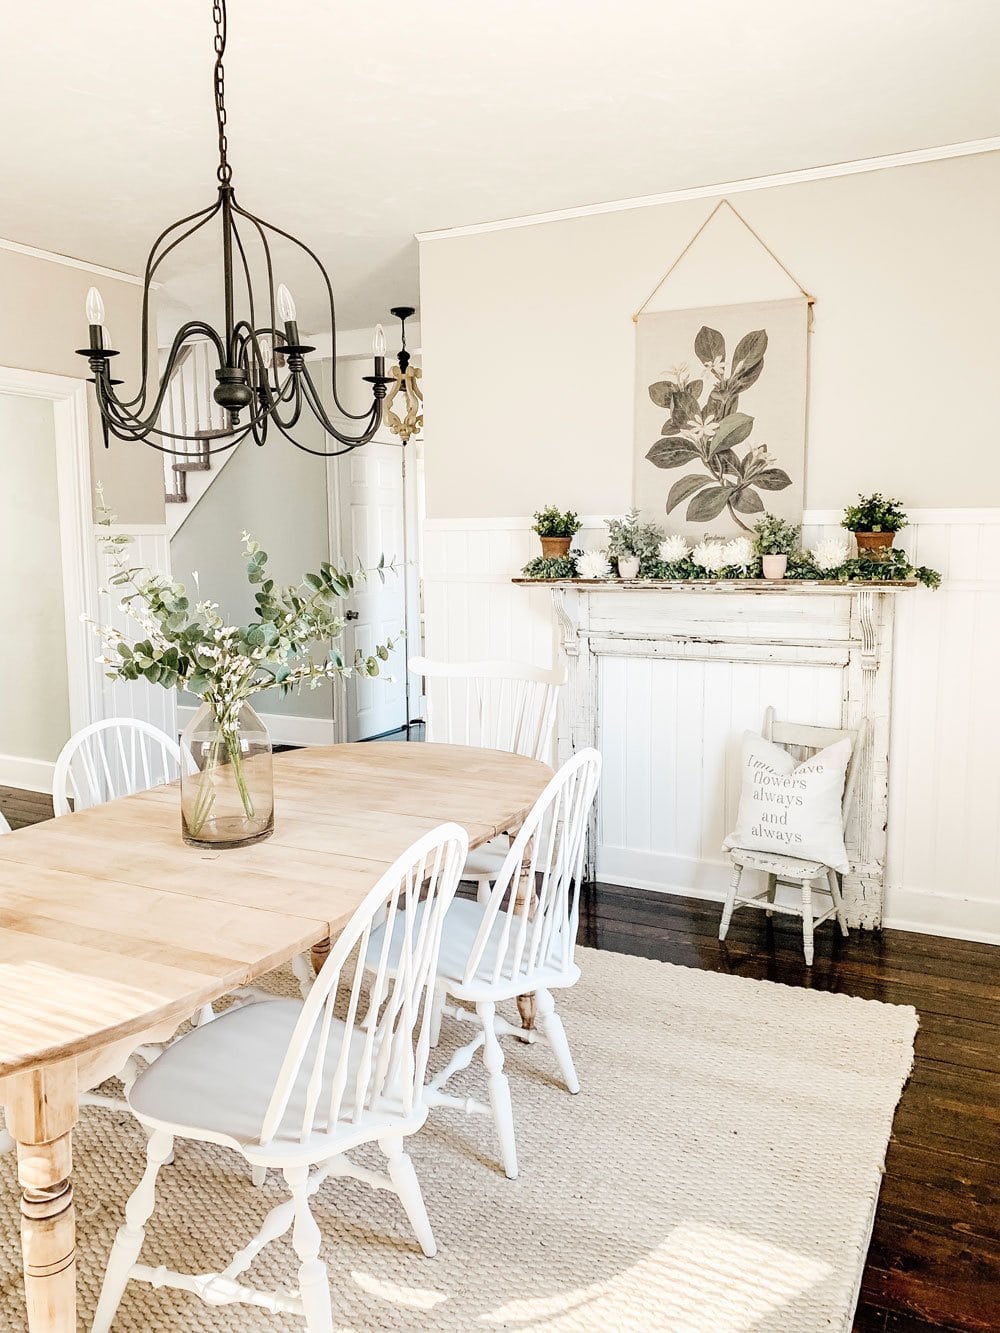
x=953, y=917
x=918, y=910
x=28, y=774
x=283, y=729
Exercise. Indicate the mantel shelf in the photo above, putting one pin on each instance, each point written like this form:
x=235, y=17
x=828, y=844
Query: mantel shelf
x=785, y=586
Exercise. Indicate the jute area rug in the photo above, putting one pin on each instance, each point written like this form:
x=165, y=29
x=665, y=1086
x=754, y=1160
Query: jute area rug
x=718, y=1172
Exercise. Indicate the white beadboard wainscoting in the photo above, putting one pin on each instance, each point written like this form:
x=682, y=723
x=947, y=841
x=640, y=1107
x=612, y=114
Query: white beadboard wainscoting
x=669, y=729
x=150, y=549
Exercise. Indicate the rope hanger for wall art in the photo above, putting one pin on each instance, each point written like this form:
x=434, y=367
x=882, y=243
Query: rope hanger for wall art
x=724, y=203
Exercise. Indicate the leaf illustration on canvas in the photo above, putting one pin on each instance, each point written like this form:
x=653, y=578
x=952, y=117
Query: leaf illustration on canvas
x=709, y=433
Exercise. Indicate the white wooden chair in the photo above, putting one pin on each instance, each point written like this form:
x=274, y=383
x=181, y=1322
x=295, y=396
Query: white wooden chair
x=4, y=826
x=496, y=706
x=802, y=740
x=522, y=940
x=289, y=1084
x=116, y=757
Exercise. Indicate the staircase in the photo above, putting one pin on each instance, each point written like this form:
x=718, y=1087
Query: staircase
x=189, y=409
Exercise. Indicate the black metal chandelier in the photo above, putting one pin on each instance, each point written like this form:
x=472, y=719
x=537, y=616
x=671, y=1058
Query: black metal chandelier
x=262, y=371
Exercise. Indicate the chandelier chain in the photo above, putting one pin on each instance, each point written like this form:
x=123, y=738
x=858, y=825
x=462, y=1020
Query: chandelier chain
x=225, y=172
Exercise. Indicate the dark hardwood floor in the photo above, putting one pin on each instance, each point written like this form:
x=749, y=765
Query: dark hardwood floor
x=24, y=807
x=934, y=1261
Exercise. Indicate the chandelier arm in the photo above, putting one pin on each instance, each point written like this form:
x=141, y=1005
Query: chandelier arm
x=206, y=215
x=374, y=416
x=316, y=453
x=261, y=222
x=122, y=408
x=246, y=275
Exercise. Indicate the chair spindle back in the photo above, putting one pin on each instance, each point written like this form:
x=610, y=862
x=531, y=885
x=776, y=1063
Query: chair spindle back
x=117, y=757
x=390, y=1051
x=493, y=705
x=536, y=897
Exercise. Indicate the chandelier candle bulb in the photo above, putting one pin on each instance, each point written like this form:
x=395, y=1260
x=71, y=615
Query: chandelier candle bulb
x=95, y=318
x=378, y=350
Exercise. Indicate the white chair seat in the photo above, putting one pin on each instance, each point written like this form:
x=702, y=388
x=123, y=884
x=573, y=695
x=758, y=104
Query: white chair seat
x=486, y=861
x=776, y=863
x=458, y=935
x=215, y=1083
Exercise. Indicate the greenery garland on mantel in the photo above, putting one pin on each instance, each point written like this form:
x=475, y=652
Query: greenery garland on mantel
x=894, y=567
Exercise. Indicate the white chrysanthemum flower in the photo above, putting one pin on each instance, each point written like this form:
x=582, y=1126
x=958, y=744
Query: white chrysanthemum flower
x=593, y=565
x=738, y=552
x=673, y=548
x=829, y=553
x=710, y=555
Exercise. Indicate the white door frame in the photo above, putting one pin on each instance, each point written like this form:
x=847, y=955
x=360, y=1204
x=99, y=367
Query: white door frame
x=68, y=397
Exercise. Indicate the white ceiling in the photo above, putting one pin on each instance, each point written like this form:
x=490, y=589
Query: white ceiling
x=354, y=124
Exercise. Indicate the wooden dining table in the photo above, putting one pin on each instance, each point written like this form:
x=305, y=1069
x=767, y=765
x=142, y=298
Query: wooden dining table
x=113, y=932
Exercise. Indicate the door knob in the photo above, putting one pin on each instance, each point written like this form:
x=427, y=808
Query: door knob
x=353, y=615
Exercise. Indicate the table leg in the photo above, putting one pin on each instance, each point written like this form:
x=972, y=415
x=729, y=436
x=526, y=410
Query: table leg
x=320, y=953
x=41, y=1113
x=527, y=1004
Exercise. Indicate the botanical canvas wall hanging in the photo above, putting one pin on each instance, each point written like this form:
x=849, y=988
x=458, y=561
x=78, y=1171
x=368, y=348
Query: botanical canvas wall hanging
x=720, y=415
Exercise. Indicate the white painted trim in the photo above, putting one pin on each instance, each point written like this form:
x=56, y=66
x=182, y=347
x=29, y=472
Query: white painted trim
x=810, y=518
x=79, y=557
x=28, y=774
x=918, y=517
x=283, y=730
x=970, y=148
x=50, y=255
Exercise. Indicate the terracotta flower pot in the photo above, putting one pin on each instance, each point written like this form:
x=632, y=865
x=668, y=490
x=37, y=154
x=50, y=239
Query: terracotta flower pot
x=552, y=546
x=873, y=541
x=774, y=566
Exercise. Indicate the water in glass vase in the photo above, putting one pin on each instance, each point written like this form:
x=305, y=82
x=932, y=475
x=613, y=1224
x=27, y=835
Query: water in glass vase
x=227, y=787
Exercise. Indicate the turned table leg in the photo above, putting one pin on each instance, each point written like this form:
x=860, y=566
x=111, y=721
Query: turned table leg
x=525, y=898
x=320, y=953
x=41, y=1113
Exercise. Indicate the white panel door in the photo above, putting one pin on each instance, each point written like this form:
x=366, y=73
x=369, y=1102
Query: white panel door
x=372, y=511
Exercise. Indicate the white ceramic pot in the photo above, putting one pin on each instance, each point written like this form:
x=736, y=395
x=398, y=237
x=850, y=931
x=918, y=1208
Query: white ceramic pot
x=774, y=566
x=628, y=567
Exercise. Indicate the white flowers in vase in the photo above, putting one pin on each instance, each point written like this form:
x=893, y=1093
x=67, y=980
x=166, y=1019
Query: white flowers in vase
x=673, y=549
x=830, y=553
x=593, y=565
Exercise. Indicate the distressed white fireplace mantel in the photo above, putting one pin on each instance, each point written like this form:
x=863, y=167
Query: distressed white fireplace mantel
x=806, y=626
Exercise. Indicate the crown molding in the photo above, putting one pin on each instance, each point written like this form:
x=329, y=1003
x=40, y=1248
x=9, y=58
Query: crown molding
x=970, y=148
x=69, y=262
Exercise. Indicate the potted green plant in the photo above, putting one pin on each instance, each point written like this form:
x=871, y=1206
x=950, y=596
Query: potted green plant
x=556, y=530
x=774, y=541
x=631, y=544
x=874, y=520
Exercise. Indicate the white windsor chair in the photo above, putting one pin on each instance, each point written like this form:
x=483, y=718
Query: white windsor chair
x=116, y=757
x=289, y=1084
x=522, y=939
x=803, y=739
x=492, y=705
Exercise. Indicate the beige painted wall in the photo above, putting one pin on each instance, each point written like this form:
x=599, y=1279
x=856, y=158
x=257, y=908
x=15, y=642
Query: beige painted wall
x=42, y=321
x=528, y=341
x=34, y=698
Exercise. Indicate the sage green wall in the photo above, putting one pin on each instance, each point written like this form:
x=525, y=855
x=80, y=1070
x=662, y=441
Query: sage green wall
x=42, y=321
x=34, y=694
x=279, y=495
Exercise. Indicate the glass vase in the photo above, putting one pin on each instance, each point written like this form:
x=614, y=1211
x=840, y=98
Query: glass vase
x=227, y=786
